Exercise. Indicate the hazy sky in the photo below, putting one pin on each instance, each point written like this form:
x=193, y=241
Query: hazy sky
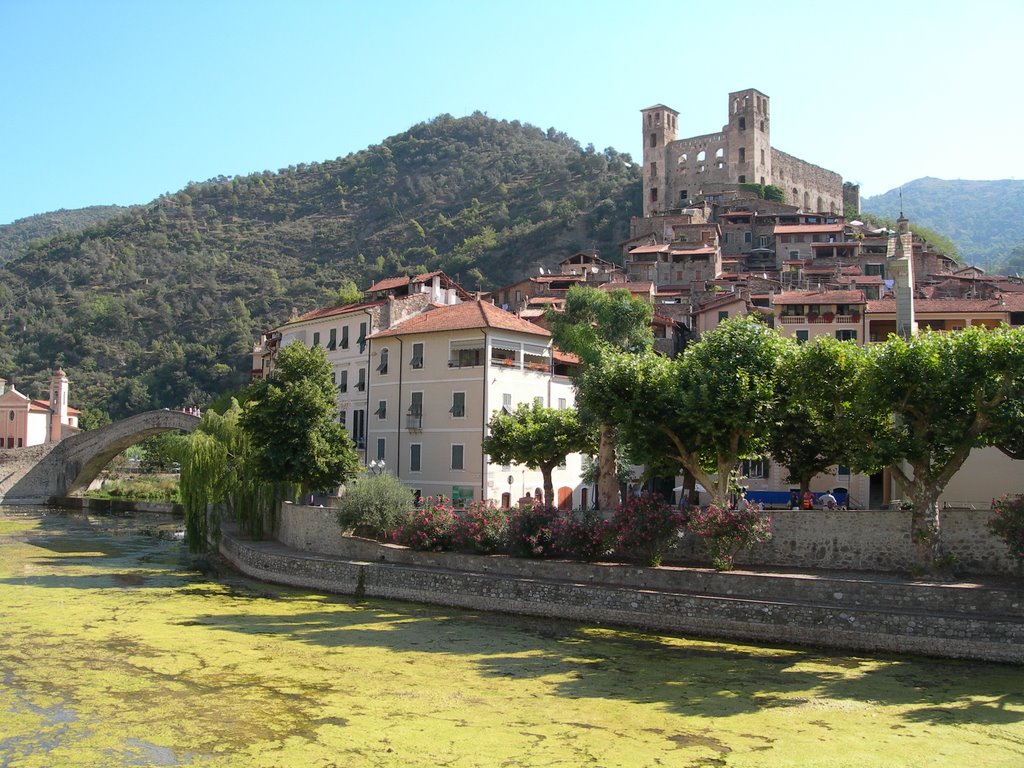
x=119, y=102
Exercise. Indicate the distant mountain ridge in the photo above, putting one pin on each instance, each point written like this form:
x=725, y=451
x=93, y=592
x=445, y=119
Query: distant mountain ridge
x=15, y=237
x=985, y=219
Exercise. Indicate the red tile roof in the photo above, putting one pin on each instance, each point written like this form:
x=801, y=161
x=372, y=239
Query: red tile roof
x=796, y=229
x=460, y=317
x=317, y=314
x=389, y=283
x=823, y=297
x=1013, y=302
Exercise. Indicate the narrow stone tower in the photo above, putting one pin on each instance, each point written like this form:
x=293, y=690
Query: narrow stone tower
x=900, y=255
x=58, y=404
x=659, y=126
x=748, y=137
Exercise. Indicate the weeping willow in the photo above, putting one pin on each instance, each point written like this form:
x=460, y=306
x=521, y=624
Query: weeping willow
x=218, y=477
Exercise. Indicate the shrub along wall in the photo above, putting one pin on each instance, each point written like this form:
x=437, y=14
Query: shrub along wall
x=854, y=540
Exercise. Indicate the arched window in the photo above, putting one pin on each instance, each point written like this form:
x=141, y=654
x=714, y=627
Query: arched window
x=720, y=158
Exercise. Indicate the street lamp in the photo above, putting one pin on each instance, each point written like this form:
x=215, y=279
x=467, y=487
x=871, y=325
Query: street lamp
x=376, y=466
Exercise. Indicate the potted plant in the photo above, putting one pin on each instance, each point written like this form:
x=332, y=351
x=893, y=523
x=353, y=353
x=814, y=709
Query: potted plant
x=828, y=317
x=812, y=317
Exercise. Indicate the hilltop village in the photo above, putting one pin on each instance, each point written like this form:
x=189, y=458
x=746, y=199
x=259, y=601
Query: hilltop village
x=731, y=226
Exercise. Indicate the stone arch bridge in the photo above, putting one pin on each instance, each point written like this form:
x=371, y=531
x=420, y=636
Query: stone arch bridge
x=35, y=474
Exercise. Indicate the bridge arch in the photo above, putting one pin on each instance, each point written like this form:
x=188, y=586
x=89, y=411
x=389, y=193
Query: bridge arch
x=59, y=469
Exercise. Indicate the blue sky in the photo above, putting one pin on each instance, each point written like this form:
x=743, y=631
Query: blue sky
x=118, y=102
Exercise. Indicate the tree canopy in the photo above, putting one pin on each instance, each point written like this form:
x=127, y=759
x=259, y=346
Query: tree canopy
x=537, y=437
x=291, y=418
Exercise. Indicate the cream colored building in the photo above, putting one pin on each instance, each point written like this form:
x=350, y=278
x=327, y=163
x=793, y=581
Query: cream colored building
x=439, y=377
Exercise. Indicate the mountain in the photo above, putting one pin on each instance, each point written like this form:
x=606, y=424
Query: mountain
x=159, y=306
x=15, y=237
x=985, y=219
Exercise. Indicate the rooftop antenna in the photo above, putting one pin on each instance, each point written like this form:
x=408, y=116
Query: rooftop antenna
x=901, y=202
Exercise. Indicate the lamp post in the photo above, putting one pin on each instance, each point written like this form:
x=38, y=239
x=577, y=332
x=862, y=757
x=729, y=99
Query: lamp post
x=376, y=466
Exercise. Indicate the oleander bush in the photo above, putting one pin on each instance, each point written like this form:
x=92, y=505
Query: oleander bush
x=581, y=535
x=431, y=528
x=646, y=527
x=529, y=531
x=480, y=528
x=728, y=531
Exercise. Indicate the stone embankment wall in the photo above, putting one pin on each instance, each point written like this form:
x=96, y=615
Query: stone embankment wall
x=855, y=540
x=840, y=610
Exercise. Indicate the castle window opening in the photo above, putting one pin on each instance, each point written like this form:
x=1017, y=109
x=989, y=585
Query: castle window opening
x=654, y=139
x=762, y=157
x=743, y=123
x=762, y=126
x=654, y=169
x=684, y=194
x=743, y=154
x=654, y=194
x=743, y=179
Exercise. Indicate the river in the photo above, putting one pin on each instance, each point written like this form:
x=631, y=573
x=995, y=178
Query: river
x=118, y=649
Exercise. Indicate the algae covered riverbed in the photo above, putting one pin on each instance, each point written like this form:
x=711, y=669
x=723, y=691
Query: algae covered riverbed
x=115, y=650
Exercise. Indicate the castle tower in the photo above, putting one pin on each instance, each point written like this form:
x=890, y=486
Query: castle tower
x=659, y=130
x=749, y=138
x=58, y=403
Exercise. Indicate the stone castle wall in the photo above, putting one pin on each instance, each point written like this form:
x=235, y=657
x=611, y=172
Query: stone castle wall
x=806, y=185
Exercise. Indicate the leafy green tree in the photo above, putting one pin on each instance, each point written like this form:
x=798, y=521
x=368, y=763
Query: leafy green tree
x=703, y=411
x=291, y=420
x=925, y=403
x=537, y=437
x=591, y=322
x=817, y=384
x=349, y=293
x=161, y=452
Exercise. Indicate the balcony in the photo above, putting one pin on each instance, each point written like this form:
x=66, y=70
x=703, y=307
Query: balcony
x=825, y=319
x=414, y=420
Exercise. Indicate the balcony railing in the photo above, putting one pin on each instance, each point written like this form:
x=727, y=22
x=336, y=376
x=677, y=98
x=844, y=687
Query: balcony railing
x=819, y=319
x=414, y=420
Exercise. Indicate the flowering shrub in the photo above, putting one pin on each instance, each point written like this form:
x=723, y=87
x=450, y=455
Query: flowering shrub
x=727, y=531
x=479, y=528
x=432, y=527
x=580, y=535
x=529, y=531
x=645, y=527
x=1008, y=523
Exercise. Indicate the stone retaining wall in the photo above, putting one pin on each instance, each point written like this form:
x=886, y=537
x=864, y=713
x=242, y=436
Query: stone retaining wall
x=841, y=612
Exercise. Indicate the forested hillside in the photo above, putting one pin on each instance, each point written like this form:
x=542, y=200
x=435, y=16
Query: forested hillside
x=15, y=237
x=158, y=307
x=985, y=219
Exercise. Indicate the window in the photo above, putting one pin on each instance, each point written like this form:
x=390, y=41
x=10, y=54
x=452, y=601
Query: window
x=723, y=315
x=461, y=495
x=539, y=402
x=846, y=335
x=380, y=449
x=359, y=427
x=875, y=269
x=332, y=342
x=801, y=337
x=417, y=355
x=743, y=124
x=654, y=169
x=748, y=237
x=458, y=409
x=654, y=194
x=361, y=384
x=415, y=453
x=382, y=367
x=414, y=416
x=458, y=455
x=842, y=471
x=743, y=154
x=755, y=468
x=344, y=337
x=316, y=338
x=743, y=179
x=343, y=386
x=362, y=337
x=506, y=403
x=382, y=409
x=762, y=160
x=654, y=139
x=684, y=195
x=561, y=403
x=762, y=241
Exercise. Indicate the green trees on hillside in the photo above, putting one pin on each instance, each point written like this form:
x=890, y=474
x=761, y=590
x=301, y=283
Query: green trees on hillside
x=144, y=306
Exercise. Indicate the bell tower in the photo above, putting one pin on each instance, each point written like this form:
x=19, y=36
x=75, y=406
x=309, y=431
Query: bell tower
x=58, y=404
x=660, y=124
